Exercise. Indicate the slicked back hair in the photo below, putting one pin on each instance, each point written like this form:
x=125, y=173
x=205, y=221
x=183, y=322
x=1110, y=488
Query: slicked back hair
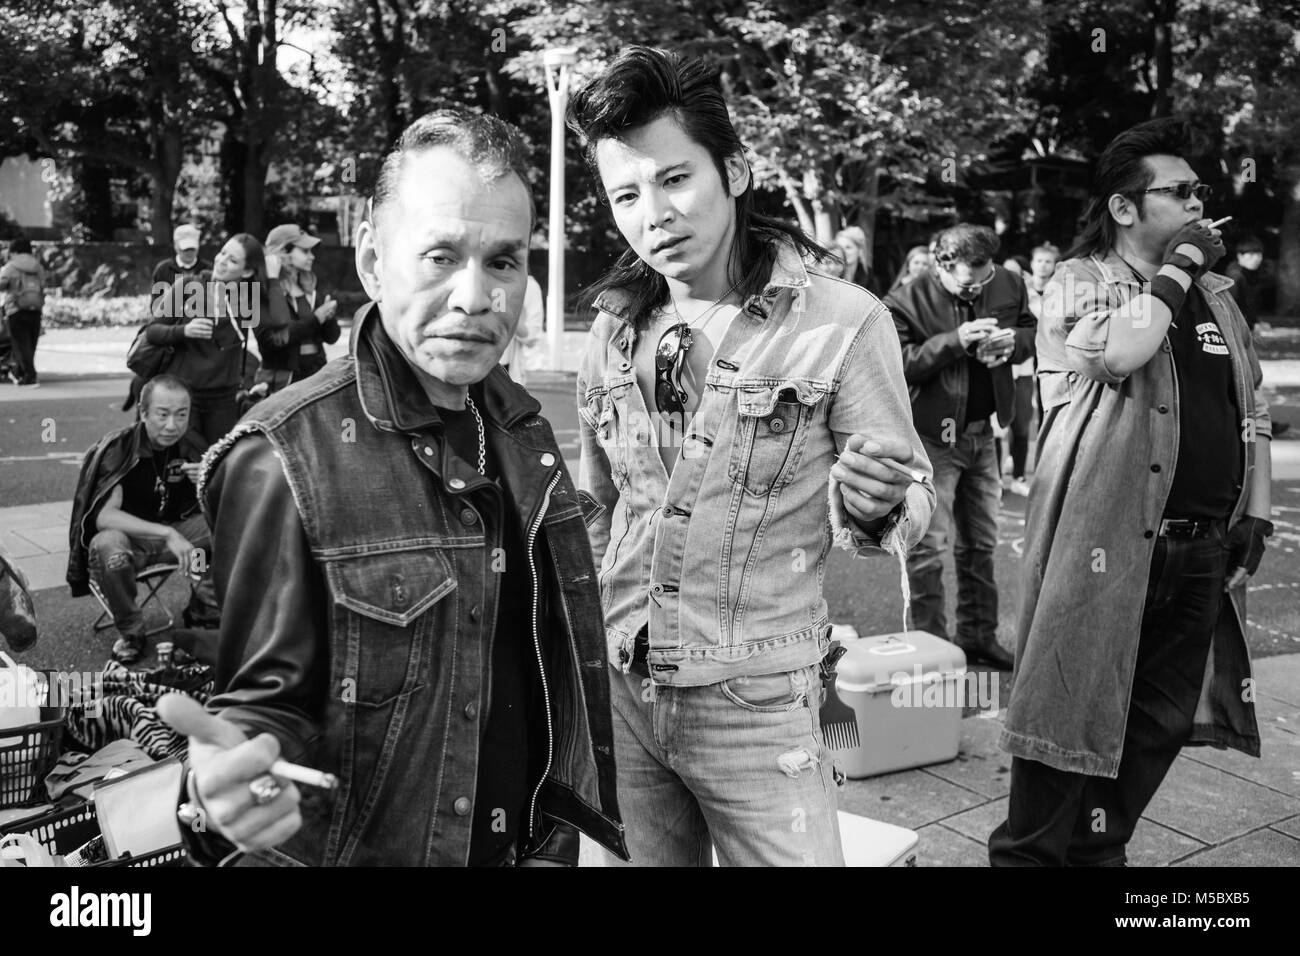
x=641, y=85
x=1120, y=169
x=489, y=144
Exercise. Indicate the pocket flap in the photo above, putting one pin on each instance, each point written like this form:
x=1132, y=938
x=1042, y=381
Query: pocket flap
x=395, y=587
x=591, y=508
x=759, y=401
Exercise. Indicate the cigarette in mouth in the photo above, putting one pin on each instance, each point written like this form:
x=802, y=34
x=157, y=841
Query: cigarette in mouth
x=1219, y=222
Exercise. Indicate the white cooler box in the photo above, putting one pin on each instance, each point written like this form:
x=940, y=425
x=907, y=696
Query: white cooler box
x=906, y=691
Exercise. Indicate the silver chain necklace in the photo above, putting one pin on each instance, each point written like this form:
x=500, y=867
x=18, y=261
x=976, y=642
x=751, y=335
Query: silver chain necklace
x=482, y=442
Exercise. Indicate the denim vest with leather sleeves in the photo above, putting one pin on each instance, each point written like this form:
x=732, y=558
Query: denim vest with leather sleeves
x=389, y=523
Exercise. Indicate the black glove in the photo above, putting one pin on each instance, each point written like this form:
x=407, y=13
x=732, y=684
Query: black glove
x=1199, y=235
x=1246, y=543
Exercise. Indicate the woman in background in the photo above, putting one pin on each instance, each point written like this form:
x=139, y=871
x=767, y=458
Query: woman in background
x=916, y=262
x=852, y=246
x=298, y=350
x=206, y=319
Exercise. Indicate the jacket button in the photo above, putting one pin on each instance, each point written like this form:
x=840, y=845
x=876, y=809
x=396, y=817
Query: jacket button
x=467, y=516
x=456, y=483
x=668, y=511
x=1162, y=409
x=471, y=710
x=461, y=806
x=656, y=589
x=428, y=450
x=1148, y=534
x=777, y=425
x=1155, y=468
x=475, y=612
x=548, y=460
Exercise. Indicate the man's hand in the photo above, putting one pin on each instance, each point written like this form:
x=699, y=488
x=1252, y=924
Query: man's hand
x=224, y=764
x=975, y=331
x=1245, y=546
x=1199, y=243
x=179, y=546
x=870, y=489
x=995, y=349
x=199, y=328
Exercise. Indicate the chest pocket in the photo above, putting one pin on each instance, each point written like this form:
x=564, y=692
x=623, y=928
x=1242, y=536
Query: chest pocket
x=387, y=591
x=603, y=415
x=771, y=428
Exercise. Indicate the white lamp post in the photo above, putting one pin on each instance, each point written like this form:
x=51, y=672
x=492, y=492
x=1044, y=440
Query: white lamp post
x=557, y=64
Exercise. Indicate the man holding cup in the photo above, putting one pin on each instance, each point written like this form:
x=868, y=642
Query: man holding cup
x=962, y=325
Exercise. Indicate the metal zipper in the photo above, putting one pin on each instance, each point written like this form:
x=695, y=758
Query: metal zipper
x=541, y=667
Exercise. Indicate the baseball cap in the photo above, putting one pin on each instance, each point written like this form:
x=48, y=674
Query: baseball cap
x=186, y=237
x=281, y=237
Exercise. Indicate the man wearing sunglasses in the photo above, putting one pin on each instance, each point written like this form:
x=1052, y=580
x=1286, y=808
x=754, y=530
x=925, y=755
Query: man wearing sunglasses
x=737, y=415
x=1151, y=501
x=962, y=325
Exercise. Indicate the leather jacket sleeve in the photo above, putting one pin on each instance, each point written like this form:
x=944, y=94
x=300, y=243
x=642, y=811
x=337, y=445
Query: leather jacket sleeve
x=273, y=656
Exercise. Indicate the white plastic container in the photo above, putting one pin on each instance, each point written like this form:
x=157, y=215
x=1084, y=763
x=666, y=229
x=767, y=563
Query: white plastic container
x=907, y=691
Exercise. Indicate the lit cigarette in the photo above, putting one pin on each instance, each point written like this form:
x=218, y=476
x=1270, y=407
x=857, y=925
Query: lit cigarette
x=1219, y=222
x=902, y=470
x=312, y=778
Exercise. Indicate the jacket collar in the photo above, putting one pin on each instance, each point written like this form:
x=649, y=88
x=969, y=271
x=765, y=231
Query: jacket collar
x=788, y=272
x=392, y=397
x=1115, y=271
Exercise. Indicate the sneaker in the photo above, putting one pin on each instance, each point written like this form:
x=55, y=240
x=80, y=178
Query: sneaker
x=1007, y=465
x=129, y=648
x=29, y=384
x=1020, y=487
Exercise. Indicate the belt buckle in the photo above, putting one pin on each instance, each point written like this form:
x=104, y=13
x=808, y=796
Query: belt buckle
x=1178, y=528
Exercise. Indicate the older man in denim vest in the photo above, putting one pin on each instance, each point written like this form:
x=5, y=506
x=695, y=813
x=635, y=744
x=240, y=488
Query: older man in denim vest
x=1148, y=513
x=721, y=383
x=413, y=607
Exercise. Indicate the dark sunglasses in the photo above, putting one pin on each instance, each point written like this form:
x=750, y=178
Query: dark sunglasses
x=1185, y=191
x=670, y=364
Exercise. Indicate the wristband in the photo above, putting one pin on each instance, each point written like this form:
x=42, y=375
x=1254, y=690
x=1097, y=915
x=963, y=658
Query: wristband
x=1169, y=291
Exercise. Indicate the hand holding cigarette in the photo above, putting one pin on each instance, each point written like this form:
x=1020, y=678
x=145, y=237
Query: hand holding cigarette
x=232, y=777
x=874, y=476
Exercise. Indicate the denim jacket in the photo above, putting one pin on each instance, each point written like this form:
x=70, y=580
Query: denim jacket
x=352, y=553
x=725, y=560
x=1107, y=450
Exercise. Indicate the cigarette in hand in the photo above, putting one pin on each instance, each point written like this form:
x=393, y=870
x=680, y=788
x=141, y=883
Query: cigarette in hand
x=312, y=778
x=902, y=469
x=1219, y=222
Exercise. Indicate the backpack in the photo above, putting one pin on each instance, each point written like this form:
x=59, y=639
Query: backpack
x=30, y=295
x=146, y=359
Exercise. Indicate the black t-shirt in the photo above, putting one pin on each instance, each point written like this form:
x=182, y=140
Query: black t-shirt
x=1208, y=473
x=509, y=752
x=980, y=402
x=156, y=489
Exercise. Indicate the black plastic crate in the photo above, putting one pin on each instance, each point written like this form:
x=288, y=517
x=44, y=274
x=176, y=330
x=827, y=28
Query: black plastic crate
x=63, y=831
x=23, y=765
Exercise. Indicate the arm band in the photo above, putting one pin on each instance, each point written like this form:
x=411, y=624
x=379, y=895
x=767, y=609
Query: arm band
x=1168, y=291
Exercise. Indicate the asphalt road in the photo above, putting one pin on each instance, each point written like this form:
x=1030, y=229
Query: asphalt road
x=43, y=434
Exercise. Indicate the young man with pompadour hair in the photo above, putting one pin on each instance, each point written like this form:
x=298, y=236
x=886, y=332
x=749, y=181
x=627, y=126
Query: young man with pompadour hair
x=739, y=412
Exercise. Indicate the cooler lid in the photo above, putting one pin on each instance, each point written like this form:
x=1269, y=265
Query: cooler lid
x=899, y=658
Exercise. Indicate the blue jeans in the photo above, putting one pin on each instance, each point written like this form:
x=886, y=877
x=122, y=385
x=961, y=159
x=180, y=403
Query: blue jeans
x=739, y=765
x=967, y=488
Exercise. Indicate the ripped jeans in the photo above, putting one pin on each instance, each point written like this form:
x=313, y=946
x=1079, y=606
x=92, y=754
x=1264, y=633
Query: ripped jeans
x=739, y=765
